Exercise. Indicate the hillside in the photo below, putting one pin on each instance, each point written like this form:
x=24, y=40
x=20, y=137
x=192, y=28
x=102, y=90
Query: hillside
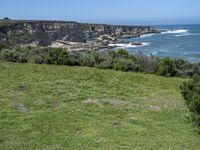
x=60, y=107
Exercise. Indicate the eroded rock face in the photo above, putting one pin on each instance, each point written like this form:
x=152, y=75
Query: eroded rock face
x=46, y=32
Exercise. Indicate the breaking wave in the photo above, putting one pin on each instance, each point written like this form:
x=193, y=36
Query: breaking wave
x=179, y=33
x=147, y=35
x=129, y=45
x=175, y=31
x=186, y=34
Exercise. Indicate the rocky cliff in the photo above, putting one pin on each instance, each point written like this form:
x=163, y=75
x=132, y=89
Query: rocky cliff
x=44, y=33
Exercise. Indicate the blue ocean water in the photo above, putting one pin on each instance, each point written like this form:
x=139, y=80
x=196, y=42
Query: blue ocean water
x=177, y=41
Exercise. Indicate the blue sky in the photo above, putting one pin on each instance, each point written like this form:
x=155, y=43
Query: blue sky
x=105, y=11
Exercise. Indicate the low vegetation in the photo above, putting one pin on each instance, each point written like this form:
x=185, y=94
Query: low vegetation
x=191, y=92
x=119, y=60
x=62, y=107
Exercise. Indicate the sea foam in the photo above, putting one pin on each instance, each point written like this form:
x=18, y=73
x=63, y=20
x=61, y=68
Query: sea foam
x=175, y=31
x=186, y=34
x=147, y=35
x=129, y=45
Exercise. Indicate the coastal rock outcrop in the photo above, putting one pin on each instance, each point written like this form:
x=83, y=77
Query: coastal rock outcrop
x=48, y=33
x=136, y=43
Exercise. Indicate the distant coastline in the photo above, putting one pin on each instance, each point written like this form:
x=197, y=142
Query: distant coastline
x=67, y=34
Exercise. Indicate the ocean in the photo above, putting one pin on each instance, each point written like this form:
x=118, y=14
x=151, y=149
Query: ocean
x=176, y=41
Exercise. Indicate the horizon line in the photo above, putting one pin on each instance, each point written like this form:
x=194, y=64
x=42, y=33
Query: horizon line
x=103, y=23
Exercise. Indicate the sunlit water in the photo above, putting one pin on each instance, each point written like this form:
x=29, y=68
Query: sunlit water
x=177, y=41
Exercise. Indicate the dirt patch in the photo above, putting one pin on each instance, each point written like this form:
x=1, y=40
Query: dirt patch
x=116, y=123
x=99, y=140
x=156, y=104
x=40, y=103
x=78, y=131
x=92, y=101
x=113, y=102
x=155, y=108
x=132, y=117
x=57, y=104
x=21, y=107
x=21, y=88
x=117, y=102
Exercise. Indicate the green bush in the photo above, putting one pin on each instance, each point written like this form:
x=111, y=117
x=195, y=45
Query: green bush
x=124, y=65
x=60, y=56
x=52, y=56
x=167, y=67
x=63, y=58
x=113, y=54
x=14, y=55
x=3, y=46
x=191, y=93
x=37, y=55
x=119, y=60
x=88, y=59
x=73, y=59
x=122, y=53
x=107, y=64
x=145, y=64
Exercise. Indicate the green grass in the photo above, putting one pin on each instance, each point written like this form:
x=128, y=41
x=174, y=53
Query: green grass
x=42, y=107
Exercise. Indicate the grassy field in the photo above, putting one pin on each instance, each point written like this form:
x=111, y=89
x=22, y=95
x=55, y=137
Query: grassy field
x=47, y=107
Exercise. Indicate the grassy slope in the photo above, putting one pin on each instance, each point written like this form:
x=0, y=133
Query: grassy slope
x=42, y=108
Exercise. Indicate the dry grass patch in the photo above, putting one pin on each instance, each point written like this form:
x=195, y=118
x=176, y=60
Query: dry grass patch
x=113, y=102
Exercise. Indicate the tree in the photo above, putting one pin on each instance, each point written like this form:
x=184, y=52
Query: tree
x=6, y=18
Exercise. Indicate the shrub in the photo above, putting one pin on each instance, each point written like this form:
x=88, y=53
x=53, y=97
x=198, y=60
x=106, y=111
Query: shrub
x=60, y=56
x=122, y=53
x=113, y=54
x=6, y=18
x=52, y=56
x=63, y=57
x=124, y=65
x=191, y=93
x=145, y=64
x=3, y=46
x=107, y=64
x=73, y=59
x=166, y=67
x=183, y=68
x=88, y=59
x=119, y=60
x=14, y=55
x=37, y=55
x=195, y=69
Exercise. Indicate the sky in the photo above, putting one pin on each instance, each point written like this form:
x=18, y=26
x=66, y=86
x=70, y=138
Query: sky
x=133, y=12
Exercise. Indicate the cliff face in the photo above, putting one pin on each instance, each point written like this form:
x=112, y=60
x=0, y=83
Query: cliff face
x=95, y=30
x=45, y=32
